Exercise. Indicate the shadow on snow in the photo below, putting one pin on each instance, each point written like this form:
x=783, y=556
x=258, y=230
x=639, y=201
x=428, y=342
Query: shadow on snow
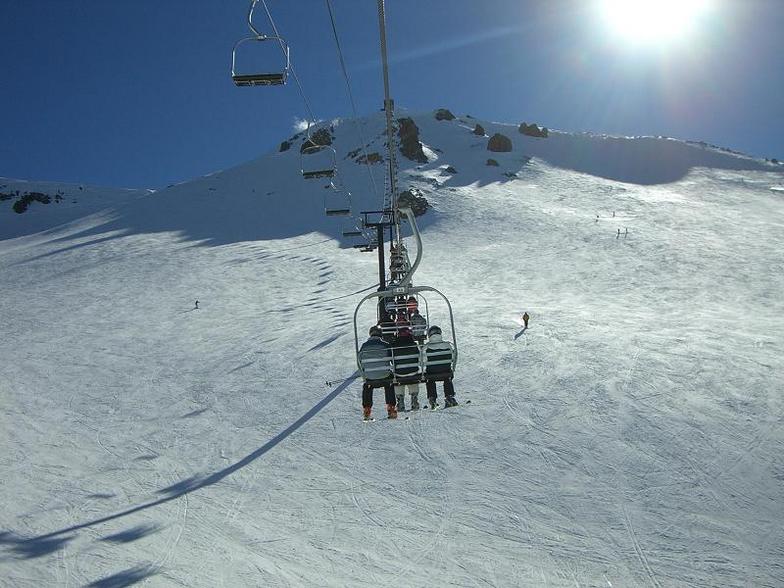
x=41, y=545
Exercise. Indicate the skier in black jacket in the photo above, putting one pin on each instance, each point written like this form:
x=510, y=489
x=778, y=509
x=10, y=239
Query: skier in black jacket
x=375, y=358
x=438, y=358
x=405, y=364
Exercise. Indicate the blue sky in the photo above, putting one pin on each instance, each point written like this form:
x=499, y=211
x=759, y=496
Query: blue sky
x=138, y=94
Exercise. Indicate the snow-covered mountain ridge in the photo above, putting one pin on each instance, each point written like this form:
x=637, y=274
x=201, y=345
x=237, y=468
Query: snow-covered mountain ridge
x=450, y=145
x=631, y=436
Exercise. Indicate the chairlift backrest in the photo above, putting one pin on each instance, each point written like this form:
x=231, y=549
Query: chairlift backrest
x=375, y=360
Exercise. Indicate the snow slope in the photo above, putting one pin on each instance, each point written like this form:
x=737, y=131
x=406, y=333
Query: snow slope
x=630, y=437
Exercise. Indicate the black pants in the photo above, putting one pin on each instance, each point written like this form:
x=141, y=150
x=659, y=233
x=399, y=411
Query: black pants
x=367, y=393
x=449, y=389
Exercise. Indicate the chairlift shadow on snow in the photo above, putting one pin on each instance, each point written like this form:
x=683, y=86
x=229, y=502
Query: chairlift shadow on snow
x=132, y=534
x=41, y=545
x=326, y=342
x=125, y=578
x=100, y=496
x=30, y=548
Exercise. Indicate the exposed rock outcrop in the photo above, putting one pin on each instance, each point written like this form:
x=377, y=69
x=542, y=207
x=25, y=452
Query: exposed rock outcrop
x=285, y=146
x=24, y=202
x=410, y=145
x=479, y=130
x=450, y=170
x=499, y=143
x=413, y=198
x=444, y=114
x=492, y=162
x=533, y=130
x=371, y=158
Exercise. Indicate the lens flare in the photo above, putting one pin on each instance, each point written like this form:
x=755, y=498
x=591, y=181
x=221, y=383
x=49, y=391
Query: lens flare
x=652, y=20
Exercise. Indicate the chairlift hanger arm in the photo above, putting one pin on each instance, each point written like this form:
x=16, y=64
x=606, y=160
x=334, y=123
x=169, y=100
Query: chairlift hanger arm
x=250, y=18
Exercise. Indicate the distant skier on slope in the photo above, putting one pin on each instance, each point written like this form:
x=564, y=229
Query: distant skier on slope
x=375, y=358
x=525, y=319
x=438, y=357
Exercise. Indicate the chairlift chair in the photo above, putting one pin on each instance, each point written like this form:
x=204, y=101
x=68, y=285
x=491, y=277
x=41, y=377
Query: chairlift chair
x=276, y=78
x=256, y=78
x=419, y=292
x=318, y=161
x=337, y=202
x=338, y=212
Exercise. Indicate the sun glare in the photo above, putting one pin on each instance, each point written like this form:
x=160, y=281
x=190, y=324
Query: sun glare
x=652, y=21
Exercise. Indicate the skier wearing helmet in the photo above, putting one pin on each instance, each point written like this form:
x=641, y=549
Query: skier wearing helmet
x=439, y=361
x=375, y=360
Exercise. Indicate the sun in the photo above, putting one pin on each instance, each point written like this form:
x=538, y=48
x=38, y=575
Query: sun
x=652, y=21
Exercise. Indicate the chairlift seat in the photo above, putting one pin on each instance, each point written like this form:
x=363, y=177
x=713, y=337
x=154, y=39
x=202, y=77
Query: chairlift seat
x=352, y=233
x=338, y=211
x=264, y=79
x=318, y=173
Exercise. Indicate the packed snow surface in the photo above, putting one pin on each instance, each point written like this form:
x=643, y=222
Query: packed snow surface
x=631, y=436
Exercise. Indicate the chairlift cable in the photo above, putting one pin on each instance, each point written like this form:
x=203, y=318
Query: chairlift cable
x=293, y=71
x=351, y=96
x=312, y=117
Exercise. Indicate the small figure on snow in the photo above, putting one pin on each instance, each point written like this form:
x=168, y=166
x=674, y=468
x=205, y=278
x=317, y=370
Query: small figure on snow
x=619, y=234
x=197, y=306
x=525, y=319
x=626, y=232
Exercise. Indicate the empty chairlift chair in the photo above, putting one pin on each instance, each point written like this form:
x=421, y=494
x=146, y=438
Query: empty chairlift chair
x=259, y=72
x=352, y=232
x=318, y=161
x=337, y=202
